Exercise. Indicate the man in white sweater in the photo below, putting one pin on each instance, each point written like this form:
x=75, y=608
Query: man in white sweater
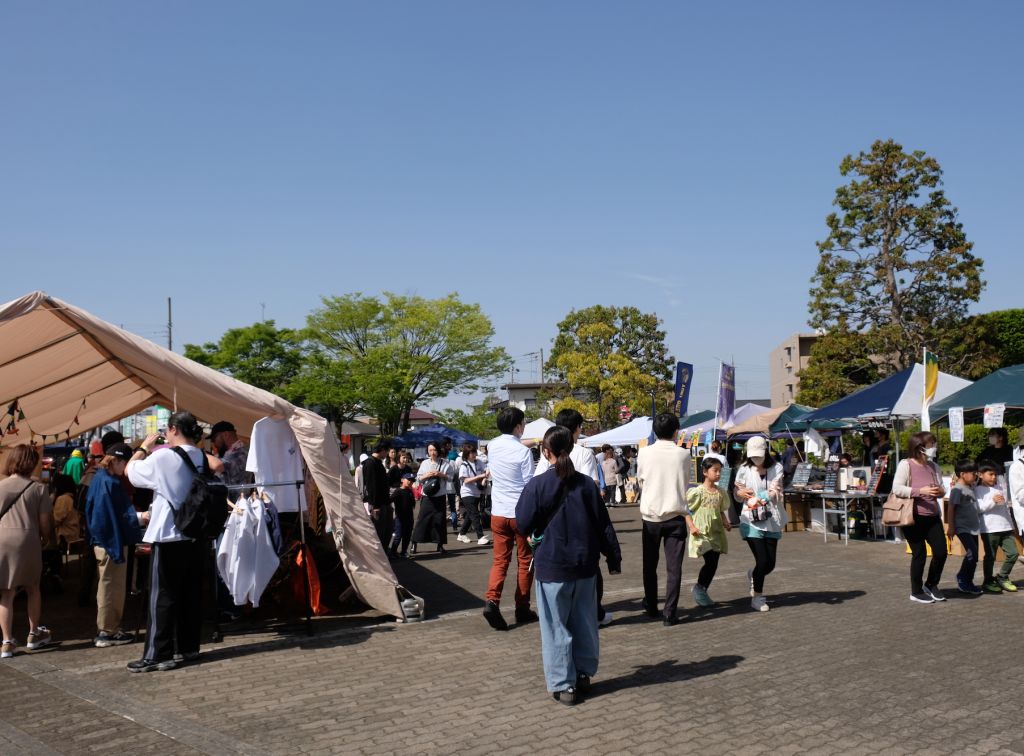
x=663, y=469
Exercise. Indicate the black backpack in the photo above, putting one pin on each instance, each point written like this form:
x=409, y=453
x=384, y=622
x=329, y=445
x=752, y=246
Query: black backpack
x=205, y=509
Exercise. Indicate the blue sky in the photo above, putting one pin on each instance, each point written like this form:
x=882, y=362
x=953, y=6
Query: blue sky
x=532, y=156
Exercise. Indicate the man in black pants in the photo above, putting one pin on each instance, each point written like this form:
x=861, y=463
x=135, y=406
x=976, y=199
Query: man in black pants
x=663, y=469
x=376, y=490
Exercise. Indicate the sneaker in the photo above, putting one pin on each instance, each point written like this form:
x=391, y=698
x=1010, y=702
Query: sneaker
x=493, y=616
x=964, y=587
x=105, y=640
x=8, y=649
x=750, y=579
x=935, y=593
x=583, y=683
x=38, y=639
x=1006, y=585
x=670, y=621
x=974, y=590
x=463, y=538
x=484, y=540
x=146, y=665
x=701, y=597
x=567, y=696
x=993, y=587
x=606, y=619
x=189, y=657
x=525, y=615
x=651, y=611
x=759, y=604
x=922, y=598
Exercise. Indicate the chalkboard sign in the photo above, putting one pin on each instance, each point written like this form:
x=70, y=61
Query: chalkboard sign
x=881, y=464
x=802, y=476
x=832, y=475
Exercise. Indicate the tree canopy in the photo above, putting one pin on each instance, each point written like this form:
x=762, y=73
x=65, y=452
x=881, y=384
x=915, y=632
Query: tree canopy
x=895, y=274
x=609, y=357
x=261, y=355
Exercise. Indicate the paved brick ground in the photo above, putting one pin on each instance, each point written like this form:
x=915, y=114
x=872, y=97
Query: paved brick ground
x=843, y=663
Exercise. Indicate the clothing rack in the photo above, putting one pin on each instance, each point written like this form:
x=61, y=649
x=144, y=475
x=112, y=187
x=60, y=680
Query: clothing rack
x=302, y=539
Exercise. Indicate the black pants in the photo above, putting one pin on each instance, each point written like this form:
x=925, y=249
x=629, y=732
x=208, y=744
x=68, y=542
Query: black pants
x=471, y=516
x=175, y=599
x=764, y=550
x=926, y=529
x=384, y=524
x=673, y=533
x=707, y=572
x=970, y=563
x=402, y=533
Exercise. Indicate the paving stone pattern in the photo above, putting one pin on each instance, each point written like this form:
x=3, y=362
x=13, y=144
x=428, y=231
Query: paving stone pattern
x=843, y=663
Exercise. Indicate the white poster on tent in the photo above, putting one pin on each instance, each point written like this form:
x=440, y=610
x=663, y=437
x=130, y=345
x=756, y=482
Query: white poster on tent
x=956, y=425
x=994, y=415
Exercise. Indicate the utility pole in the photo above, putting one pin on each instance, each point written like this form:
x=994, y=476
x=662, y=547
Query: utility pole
x=542, y=366
x=170, y=326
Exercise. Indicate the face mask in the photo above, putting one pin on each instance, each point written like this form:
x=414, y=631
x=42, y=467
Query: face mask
x=757, y=460
x=932, y=452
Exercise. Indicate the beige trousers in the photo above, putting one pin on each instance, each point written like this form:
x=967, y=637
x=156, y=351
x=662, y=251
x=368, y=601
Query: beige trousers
x=113, y=582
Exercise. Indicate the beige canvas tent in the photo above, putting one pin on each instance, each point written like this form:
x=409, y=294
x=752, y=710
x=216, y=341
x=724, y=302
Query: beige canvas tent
x=70, y=371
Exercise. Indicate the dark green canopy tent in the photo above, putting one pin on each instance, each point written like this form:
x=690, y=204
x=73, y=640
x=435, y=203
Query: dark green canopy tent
x=1005, y=386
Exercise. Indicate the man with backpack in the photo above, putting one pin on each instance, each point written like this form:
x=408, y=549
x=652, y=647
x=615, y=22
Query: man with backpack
x=176, y=575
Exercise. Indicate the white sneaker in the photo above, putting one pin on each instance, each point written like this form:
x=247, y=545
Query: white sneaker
x=38, y=639
x=606, y=619
x=759, y=604
x=8, y=649
x=484, y=540
x=463, y=539
x=750, y=578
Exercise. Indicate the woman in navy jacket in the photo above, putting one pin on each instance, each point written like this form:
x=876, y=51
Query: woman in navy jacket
x=568, y=525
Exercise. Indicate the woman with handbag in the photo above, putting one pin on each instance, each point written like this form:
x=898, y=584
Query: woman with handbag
x=561, y=513
x=919, y=478
x=431, y=524
x=25, y=510
x=758, y=487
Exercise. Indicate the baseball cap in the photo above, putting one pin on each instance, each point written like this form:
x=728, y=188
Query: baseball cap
x=121, y=451
x=408, y=476
x=110, y=438
x=757, y=447
x=220, y=426
x=77, y=453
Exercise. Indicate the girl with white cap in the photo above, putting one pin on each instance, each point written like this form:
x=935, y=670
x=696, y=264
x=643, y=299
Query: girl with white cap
x=758, y=485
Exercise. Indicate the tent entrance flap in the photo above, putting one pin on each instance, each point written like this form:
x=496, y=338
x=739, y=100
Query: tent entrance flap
x=45, y=342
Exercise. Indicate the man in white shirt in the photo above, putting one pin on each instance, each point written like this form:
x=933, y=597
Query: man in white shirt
x=511, y=464
x=176, y=574
x=663, y=469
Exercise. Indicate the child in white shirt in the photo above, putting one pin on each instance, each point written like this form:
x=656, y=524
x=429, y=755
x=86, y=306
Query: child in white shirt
x=996, y=528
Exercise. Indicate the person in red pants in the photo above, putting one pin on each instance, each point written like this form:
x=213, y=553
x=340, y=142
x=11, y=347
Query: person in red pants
x=511, y=465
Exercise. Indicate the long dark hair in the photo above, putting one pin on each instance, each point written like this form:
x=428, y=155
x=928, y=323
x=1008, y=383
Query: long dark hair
x=558, y=441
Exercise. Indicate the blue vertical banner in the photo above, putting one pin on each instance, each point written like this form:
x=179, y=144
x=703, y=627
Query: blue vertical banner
x=684, y=377
x=726, y=396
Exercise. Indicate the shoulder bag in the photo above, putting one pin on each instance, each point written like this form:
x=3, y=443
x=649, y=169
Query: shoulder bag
x=897, y=512
x=14, y=501
x=432, y=486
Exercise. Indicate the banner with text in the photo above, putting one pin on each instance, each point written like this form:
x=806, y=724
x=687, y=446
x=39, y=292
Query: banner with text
x=956, y=425
x=684, y=376
x=726, y=396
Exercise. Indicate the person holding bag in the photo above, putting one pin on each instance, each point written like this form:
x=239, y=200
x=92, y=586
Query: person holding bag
x=433, y=474
x=567, y=524
x=919, y=478
x=25, y=516
x=758, y=486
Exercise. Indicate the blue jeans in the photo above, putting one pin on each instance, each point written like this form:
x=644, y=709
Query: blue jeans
x=970, y=563
x=568, y=630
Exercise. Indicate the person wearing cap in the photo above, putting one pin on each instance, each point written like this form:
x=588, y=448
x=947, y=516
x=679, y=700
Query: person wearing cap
x=86, y=591
x=404, y=502
x=232, y=452
x=113, y=529
x=75, y=466
x=758, y=487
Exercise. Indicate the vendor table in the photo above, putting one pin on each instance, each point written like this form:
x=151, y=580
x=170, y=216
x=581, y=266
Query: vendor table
x=839, y=503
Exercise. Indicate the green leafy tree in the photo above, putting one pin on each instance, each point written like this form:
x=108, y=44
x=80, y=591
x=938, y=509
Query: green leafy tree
x=840, y=363
x=478, y=419
x=261, y=355
x=1003, y=332
x=895, y=265
x=609, y=357
x=398, y=351
x=896, y=269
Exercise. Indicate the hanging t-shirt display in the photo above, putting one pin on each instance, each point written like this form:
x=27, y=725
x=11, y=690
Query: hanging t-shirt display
x=274, y=457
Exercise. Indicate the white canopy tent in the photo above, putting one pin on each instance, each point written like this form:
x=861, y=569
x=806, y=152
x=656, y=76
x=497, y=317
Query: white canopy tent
x=70, y=371
x=535, y=429
x=632, y=433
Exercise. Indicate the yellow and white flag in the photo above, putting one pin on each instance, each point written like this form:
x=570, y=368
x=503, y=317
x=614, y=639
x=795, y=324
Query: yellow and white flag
x=931, y=384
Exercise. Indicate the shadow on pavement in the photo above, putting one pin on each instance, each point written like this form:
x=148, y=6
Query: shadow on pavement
x=441, y=595
x=731, y=608
x=669, y=670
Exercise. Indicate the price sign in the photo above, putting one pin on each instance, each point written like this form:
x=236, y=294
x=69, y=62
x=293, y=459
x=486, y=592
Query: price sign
x=994, y=415
x=956, y=425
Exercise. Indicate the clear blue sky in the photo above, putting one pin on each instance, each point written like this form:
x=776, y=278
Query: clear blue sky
x=532, y=156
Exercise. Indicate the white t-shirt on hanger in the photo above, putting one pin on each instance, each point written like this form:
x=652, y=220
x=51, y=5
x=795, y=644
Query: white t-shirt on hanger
x=274, y=457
